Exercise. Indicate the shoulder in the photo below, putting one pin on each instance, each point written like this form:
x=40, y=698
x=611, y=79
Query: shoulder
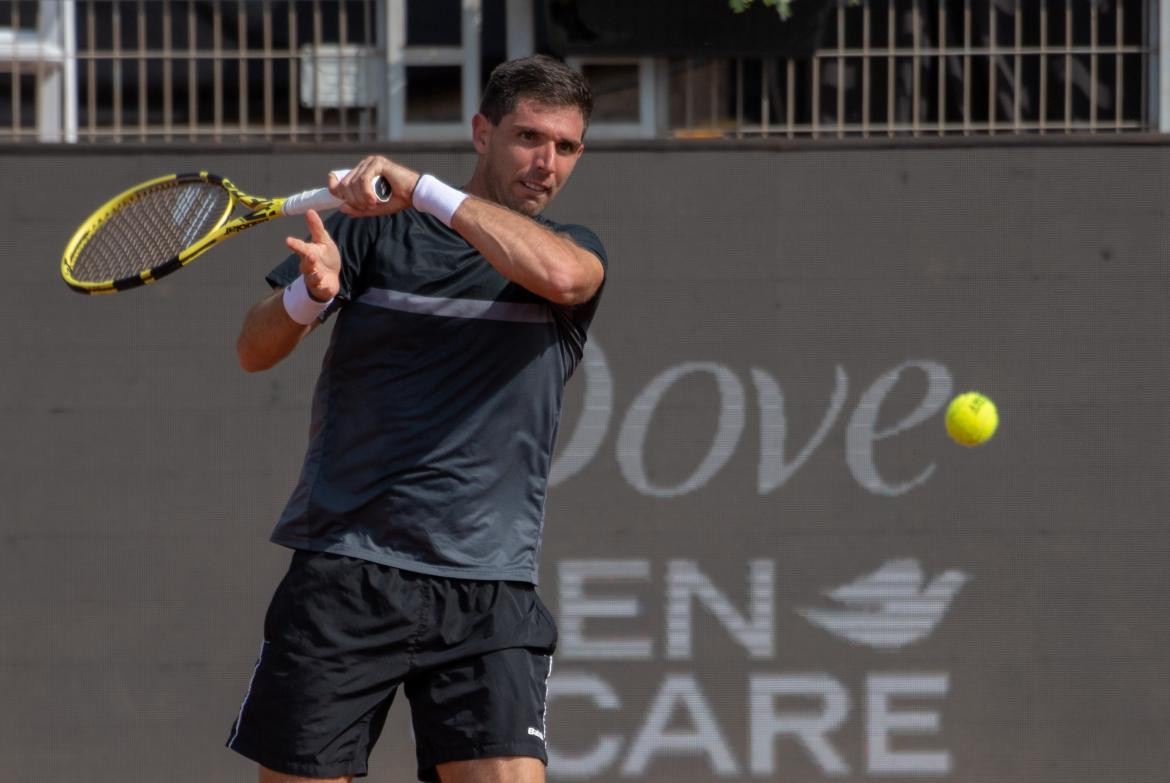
x=583, y=236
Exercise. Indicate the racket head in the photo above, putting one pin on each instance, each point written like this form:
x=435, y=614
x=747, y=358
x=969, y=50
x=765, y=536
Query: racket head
x=147, y=232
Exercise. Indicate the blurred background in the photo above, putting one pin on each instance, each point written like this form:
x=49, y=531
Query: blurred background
x=824, y=219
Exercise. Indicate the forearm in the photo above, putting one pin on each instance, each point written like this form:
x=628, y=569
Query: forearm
x=542, y=261
x=268, y=334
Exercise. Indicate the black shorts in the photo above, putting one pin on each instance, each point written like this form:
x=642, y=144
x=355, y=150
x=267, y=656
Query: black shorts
x=342, y=634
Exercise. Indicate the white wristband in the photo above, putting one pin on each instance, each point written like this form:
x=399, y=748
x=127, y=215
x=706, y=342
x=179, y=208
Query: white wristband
x=301, y=307
x=435, y=197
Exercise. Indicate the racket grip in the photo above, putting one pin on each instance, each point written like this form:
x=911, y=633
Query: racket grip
x=321, y=199
x=381, y=186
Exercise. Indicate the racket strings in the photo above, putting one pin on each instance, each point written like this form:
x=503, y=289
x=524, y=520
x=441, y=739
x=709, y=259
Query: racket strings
x=150, y=228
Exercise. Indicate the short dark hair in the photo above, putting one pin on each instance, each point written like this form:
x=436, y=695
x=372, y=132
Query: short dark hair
x=539, y=78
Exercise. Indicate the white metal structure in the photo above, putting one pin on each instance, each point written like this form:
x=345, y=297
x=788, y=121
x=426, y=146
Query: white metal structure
x=49, y=53
x=224, y=70
x=400, y=56
x=1160, y=38
x=653, y=89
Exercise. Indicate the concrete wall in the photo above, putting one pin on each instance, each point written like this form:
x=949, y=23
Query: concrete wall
x=758, y=423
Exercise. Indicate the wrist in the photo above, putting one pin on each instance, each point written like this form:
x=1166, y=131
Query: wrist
x=302, y=306
x=314, y=297
x=432, y=196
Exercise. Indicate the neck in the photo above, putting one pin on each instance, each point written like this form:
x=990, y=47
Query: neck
x=477, y=186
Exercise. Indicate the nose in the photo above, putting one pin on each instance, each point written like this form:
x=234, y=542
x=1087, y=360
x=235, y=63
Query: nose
x=545, y=155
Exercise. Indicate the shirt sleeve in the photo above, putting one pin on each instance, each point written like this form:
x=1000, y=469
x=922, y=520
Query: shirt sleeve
x=586, y=239
x=355, y=239
x=574, y=320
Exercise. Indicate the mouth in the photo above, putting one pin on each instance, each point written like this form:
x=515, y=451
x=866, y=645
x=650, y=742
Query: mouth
x=535, y=188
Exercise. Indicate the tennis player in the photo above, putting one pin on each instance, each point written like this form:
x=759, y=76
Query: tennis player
x=417, y=519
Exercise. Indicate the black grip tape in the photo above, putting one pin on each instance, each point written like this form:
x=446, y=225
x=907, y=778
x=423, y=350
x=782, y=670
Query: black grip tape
x=381, y=189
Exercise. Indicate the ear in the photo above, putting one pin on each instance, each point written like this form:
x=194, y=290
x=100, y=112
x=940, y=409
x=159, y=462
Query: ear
x=481, y=132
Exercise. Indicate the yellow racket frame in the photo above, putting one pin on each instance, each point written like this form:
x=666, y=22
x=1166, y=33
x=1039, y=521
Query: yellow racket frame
x=263, y=210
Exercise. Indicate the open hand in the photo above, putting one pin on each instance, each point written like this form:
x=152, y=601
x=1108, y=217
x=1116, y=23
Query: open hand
x=320, y=259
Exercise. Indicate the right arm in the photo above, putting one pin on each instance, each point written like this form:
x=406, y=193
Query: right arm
x=269, y=334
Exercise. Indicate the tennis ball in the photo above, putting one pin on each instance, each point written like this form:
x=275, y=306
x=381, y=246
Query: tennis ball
x=971, y=419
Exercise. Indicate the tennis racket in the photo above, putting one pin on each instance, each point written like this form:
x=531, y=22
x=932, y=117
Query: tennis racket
x=162, y=225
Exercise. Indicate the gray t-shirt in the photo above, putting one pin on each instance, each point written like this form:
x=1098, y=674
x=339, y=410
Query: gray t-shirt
x=436, y=410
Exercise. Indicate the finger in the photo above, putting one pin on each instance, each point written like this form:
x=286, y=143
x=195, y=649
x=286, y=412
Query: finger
x=368, y=190
x=365, y=174
x=355, y=188
x=334, y=185
x=317, y=228
x=310, y=264
x=358, y=174
x=298, y=246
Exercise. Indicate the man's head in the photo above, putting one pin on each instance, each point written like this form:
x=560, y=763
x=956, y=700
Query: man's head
x=539, y=78
x=529, y=132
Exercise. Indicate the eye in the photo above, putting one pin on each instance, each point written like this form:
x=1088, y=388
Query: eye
x=566, y=148
x=527, y=135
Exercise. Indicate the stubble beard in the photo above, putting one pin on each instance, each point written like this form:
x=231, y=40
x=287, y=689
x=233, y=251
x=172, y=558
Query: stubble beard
x=500, y=190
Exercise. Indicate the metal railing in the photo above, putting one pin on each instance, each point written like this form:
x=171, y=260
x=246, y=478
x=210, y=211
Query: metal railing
x=216, y=70
x=947, y=67
x=306, y=70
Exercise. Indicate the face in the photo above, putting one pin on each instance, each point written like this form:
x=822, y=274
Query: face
x=528, y=157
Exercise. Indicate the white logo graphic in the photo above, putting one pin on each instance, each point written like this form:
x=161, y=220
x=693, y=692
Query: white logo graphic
x=780, y=458
x=535, y=733
x=889, y=608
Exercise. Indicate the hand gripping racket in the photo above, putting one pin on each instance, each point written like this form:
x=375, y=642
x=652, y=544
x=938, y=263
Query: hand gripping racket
x=162, y=225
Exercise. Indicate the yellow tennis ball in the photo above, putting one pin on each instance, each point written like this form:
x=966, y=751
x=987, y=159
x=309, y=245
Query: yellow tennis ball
x=971, y=419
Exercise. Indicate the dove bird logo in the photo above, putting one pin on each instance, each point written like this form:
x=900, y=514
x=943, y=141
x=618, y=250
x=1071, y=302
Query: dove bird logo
x=890, y=608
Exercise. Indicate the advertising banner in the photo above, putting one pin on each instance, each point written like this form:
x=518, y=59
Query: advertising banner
x=766, y=558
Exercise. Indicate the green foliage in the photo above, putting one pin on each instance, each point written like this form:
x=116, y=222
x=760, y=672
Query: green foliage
x=783, y=7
